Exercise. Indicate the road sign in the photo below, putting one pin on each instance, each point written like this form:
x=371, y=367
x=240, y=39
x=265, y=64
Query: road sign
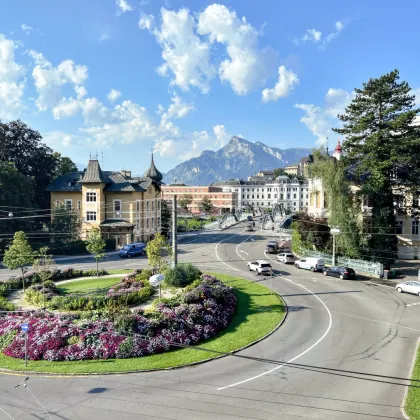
x=24, y=327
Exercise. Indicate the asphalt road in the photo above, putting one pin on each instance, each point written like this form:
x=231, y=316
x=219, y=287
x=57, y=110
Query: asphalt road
x=350, y=327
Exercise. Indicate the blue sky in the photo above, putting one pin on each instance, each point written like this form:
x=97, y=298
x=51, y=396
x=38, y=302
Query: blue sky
x=124, y=77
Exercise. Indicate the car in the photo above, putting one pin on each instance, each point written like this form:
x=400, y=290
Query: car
x=313, y=264
x=341, y=272
x=286, y=257
x=250, y=218
x=132, y=250
x=271, y=247
x=409, y=287
x=260, y=266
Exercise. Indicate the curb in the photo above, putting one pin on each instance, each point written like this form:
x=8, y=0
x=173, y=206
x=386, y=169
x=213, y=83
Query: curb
x=81, y=375
x=410, y=375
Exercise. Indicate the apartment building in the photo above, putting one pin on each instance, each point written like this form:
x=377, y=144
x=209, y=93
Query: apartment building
x=123, y=207
x=223, y=200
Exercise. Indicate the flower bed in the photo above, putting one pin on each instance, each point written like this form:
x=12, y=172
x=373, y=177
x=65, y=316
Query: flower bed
x=202, y=311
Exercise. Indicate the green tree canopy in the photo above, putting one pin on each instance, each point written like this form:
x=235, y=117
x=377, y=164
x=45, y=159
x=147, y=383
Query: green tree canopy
x=66, y=223
x=382, y=150
x=95, y=245
x=159, y=253
x=278, y=172
x=185, y=201
x=19, y=254
x=166, y=217
x=206, y=205
x=64, y=166
x=44, y=265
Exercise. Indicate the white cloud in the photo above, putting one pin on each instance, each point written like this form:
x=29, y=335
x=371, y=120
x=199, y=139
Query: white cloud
x=49, y=79
x=124, y=6
x=26, y=28
x=286, y=83
x=416, y=93
x=247, y=67
x=113, y=95
x=67, y=107
x=222, y=136
x=320, y=120
x=80, y=91
x=185, y=56
x=177, y=109
x=165, y=148
x=315, y=36
x=12, y=81
x=66, y=141
x=104, y=36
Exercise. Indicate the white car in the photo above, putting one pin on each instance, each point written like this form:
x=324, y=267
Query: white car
x=409, y=287
x=260, y=266
x=286, y=257
x=313, y=264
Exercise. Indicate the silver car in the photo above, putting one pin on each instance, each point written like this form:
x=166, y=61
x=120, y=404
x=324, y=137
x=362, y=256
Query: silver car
x=409, y=287
x=286, y=257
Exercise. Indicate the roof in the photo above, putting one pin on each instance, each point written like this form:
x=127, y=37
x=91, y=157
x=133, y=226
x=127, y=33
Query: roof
x=338, y=148
x=117, y=223
x=153, y=172
x=93, y=173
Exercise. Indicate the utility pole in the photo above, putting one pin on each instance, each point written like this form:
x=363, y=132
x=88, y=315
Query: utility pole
x=174, y=232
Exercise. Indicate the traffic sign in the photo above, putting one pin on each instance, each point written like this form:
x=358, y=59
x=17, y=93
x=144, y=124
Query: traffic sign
x=24, y=327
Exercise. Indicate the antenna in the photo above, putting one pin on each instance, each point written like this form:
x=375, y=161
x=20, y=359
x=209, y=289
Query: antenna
x=90, y=156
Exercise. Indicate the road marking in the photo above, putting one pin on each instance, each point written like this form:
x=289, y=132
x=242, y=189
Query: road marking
x=413, y=304
x=217, y=254
x=246, y=253
x=296, y=357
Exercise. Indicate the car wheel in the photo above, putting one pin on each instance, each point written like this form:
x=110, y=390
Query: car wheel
x=129, y=255
x=312, y=269
x=341, y=277
x=258, y=273
x=325, y=273
x=399, y=290
x=297, y=266
x=419, y=294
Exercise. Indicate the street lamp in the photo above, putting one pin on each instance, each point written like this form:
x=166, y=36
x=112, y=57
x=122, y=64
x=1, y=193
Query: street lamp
x=334, y=232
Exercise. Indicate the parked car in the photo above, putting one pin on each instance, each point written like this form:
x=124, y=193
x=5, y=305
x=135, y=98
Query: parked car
x=342, y=272
x=249, y=228
x=313, y=264
x=409, y=287
x=249, y=218
x=260, y=266
x=286, y=257
x=271, y=247
x=132, y=250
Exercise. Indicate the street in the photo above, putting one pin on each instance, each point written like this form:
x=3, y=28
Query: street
x=353, y=328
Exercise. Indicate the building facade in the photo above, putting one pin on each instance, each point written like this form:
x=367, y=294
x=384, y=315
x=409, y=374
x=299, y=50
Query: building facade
x=220, y=199
x=123, y=207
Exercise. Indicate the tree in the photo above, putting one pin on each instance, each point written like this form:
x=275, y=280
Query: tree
x=382, y=148
x=278, y=172
x=19, y=254
x=95, y=245
x=206, y=205
x=22, y=145
x=185, y=201
x=166, y=217
x=64, y=166
x=44, y=265
x=66, y=223
x=159, y=253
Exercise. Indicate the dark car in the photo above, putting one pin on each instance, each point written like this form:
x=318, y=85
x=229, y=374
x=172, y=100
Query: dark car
x=341, y=272
x=271, y=247
x=249, y=228
x=249, y=218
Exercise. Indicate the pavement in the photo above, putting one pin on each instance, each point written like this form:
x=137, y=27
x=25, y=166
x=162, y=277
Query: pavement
x=355, y=329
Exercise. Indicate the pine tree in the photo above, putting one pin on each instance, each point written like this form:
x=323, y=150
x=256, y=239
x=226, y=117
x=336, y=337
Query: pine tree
x=382, y=150
x=19, y=254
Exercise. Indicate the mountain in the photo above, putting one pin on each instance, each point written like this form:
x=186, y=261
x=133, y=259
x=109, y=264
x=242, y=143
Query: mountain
x=240, y=158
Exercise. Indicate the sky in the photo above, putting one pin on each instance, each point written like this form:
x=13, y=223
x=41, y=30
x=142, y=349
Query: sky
x=123, y=78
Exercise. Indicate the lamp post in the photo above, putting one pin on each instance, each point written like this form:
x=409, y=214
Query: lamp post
x=334, y=232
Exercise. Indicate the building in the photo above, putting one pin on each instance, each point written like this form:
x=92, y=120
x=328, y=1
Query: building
x=300, y=168
x=123, y=207
x=224, y=200
x=290, y=192
x=292, y=169
x=262, y=175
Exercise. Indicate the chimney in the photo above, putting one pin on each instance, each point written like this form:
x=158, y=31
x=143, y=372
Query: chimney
x=126, y=173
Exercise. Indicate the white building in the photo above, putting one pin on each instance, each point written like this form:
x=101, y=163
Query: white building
x=292, y=193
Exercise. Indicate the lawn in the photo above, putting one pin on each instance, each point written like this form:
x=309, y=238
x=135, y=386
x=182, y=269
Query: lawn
x=258, y=313
x=412, y=404
x=120, y=271
x=93, y=285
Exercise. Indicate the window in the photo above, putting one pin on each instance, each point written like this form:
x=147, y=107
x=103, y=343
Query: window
x=138, y=206
x=275, y=195
x=117, y=206
x=158, y=204
x=399, y=226
x=69, y=204
x=258, y=196
x=147, y=205
x=158, y=221
x=153, y=222
x=247, y=196
x=79, y=205
x=268, y=204
x=91, y=215
x=415, y=227
x=147, y=223
x=288, y=196
x=262, y=197
x=269, y=196
x=90, y=196
x=294, y=203
x=153, y=205
x=56, y=203
x=281, y=196
x=138, y=224
x=294, y=196
x=252, y=195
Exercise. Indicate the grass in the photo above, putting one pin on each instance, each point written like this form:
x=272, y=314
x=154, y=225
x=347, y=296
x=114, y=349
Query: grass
x=258, y=313
x=121, y=271
x=88, y=286
x=412, y=403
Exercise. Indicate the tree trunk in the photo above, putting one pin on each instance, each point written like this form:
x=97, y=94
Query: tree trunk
x=97, y=267
x=23, y=279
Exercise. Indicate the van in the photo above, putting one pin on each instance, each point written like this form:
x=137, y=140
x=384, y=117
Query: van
x=271, y=247
x=132, y=250
x=313, y=264
x=250, y=218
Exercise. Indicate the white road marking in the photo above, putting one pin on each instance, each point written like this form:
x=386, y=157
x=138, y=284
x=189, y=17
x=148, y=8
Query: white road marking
x=296, y=357
x=217, y=254
x=241, y=250
x=413, y=304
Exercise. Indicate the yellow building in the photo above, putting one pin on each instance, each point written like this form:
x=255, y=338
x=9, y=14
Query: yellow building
x=123, y=207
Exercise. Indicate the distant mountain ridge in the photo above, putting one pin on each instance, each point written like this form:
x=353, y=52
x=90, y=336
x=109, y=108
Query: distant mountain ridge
x=240, y=158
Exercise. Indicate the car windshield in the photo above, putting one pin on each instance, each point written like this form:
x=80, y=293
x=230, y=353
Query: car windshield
x=127, y=247
x=265, y=265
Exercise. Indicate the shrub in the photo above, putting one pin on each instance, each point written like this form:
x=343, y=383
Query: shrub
x=125, y=323
x=5, y=305
x=181, y=275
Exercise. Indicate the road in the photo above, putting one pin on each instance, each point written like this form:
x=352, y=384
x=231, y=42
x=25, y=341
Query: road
x=350, y=327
